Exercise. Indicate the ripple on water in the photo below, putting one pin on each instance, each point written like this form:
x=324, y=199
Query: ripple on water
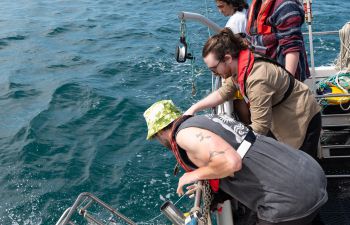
x=14, y=38
x=7, y=40
x=57, y=31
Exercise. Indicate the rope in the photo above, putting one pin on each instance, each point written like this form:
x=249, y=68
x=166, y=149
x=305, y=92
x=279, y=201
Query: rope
x=336, y=80
x=194, y=90
x=343, y=89
x=343, y=60
x=339, y=80
x=207, y=15
x=183, y=33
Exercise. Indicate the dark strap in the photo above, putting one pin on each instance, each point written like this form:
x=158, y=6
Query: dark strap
x=289, y=90
x=290, y=76
x=250, y=137
x=246, y=144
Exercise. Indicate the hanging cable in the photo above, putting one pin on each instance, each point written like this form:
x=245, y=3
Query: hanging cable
x=207, y=15
x=183, y=53
x=194, y=89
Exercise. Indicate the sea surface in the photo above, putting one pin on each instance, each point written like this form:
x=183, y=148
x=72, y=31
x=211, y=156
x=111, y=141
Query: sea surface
x=75, y=79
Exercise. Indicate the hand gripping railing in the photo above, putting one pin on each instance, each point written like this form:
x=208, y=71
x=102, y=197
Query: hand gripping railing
x=82, y=203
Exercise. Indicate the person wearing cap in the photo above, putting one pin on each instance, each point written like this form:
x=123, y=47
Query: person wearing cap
x=280, y=106
x=282, y=185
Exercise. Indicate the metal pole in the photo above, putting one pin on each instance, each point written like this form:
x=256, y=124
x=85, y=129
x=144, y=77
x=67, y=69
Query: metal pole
x=225, y=217
x=100, y=202
x=312, y=60
x=197, y=200
x=64, y=216
x=324, y=32
x=198, y=17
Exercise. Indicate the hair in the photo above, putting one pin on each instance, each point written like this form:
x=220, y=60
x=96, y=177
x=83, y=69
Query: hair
x=225, y=42
x=239, y=5
x=167, y=127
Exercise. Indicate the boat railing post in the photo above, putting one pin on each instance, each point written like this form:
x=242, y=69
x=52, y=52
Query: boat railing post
x=311, y=44
x=197, y=199
x=225, y=217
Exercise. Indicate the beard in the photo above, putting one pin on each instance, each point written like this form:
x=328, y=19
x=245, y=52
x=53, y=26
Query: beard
x=165, y=142
x=226, y=75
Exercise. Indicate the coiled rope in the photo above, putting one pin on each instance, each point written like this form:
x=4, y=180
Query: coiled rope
x=342, y=64
x=343, y=60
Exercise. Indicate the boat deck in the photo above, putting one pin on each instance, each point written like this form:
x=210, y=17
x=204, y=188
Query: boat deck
x=337, y=209
x=335, y=160
x=335, y=139
x=334, y=157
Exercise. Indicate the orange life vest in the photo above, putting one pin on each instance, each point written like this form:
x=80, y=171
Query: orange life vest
x=244, y=66
x=260, y=22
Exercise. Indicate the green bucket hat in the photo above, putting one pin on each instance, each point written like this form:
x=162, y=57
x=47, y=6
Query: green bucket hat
x=160, y=115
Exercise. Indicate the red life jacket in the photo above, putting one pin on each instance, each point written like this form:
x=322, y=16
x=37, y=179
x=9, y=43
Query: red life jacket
x=245, y=65
x=214, y=183
x=261, y=18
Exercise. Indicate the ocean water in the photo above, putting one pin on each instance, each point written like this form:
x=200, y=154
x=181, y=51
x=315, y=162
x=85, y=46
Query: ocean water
x=75, y=78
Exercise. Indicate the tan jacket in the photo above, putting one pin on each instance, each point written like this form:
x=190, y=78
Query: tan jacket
x=229, y=91
x=289, y=120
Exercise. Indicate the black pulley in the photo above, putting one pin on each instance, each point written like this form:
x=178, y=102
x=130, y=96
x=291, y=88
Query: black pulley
x=181, y=51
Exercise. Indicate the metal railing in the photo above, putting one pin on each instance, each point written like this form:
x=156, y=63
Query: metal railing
x=84, y=201
x=200, y=18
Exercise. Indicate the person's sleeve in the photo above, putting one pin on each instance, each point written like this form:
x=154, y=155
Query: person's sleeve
x=260, y=93
x=239, y=25
x=227, y=90
x=288, y=19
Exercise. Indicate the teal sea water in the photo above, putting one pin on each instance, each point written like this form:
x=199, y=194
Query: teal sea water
x=75, y=78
